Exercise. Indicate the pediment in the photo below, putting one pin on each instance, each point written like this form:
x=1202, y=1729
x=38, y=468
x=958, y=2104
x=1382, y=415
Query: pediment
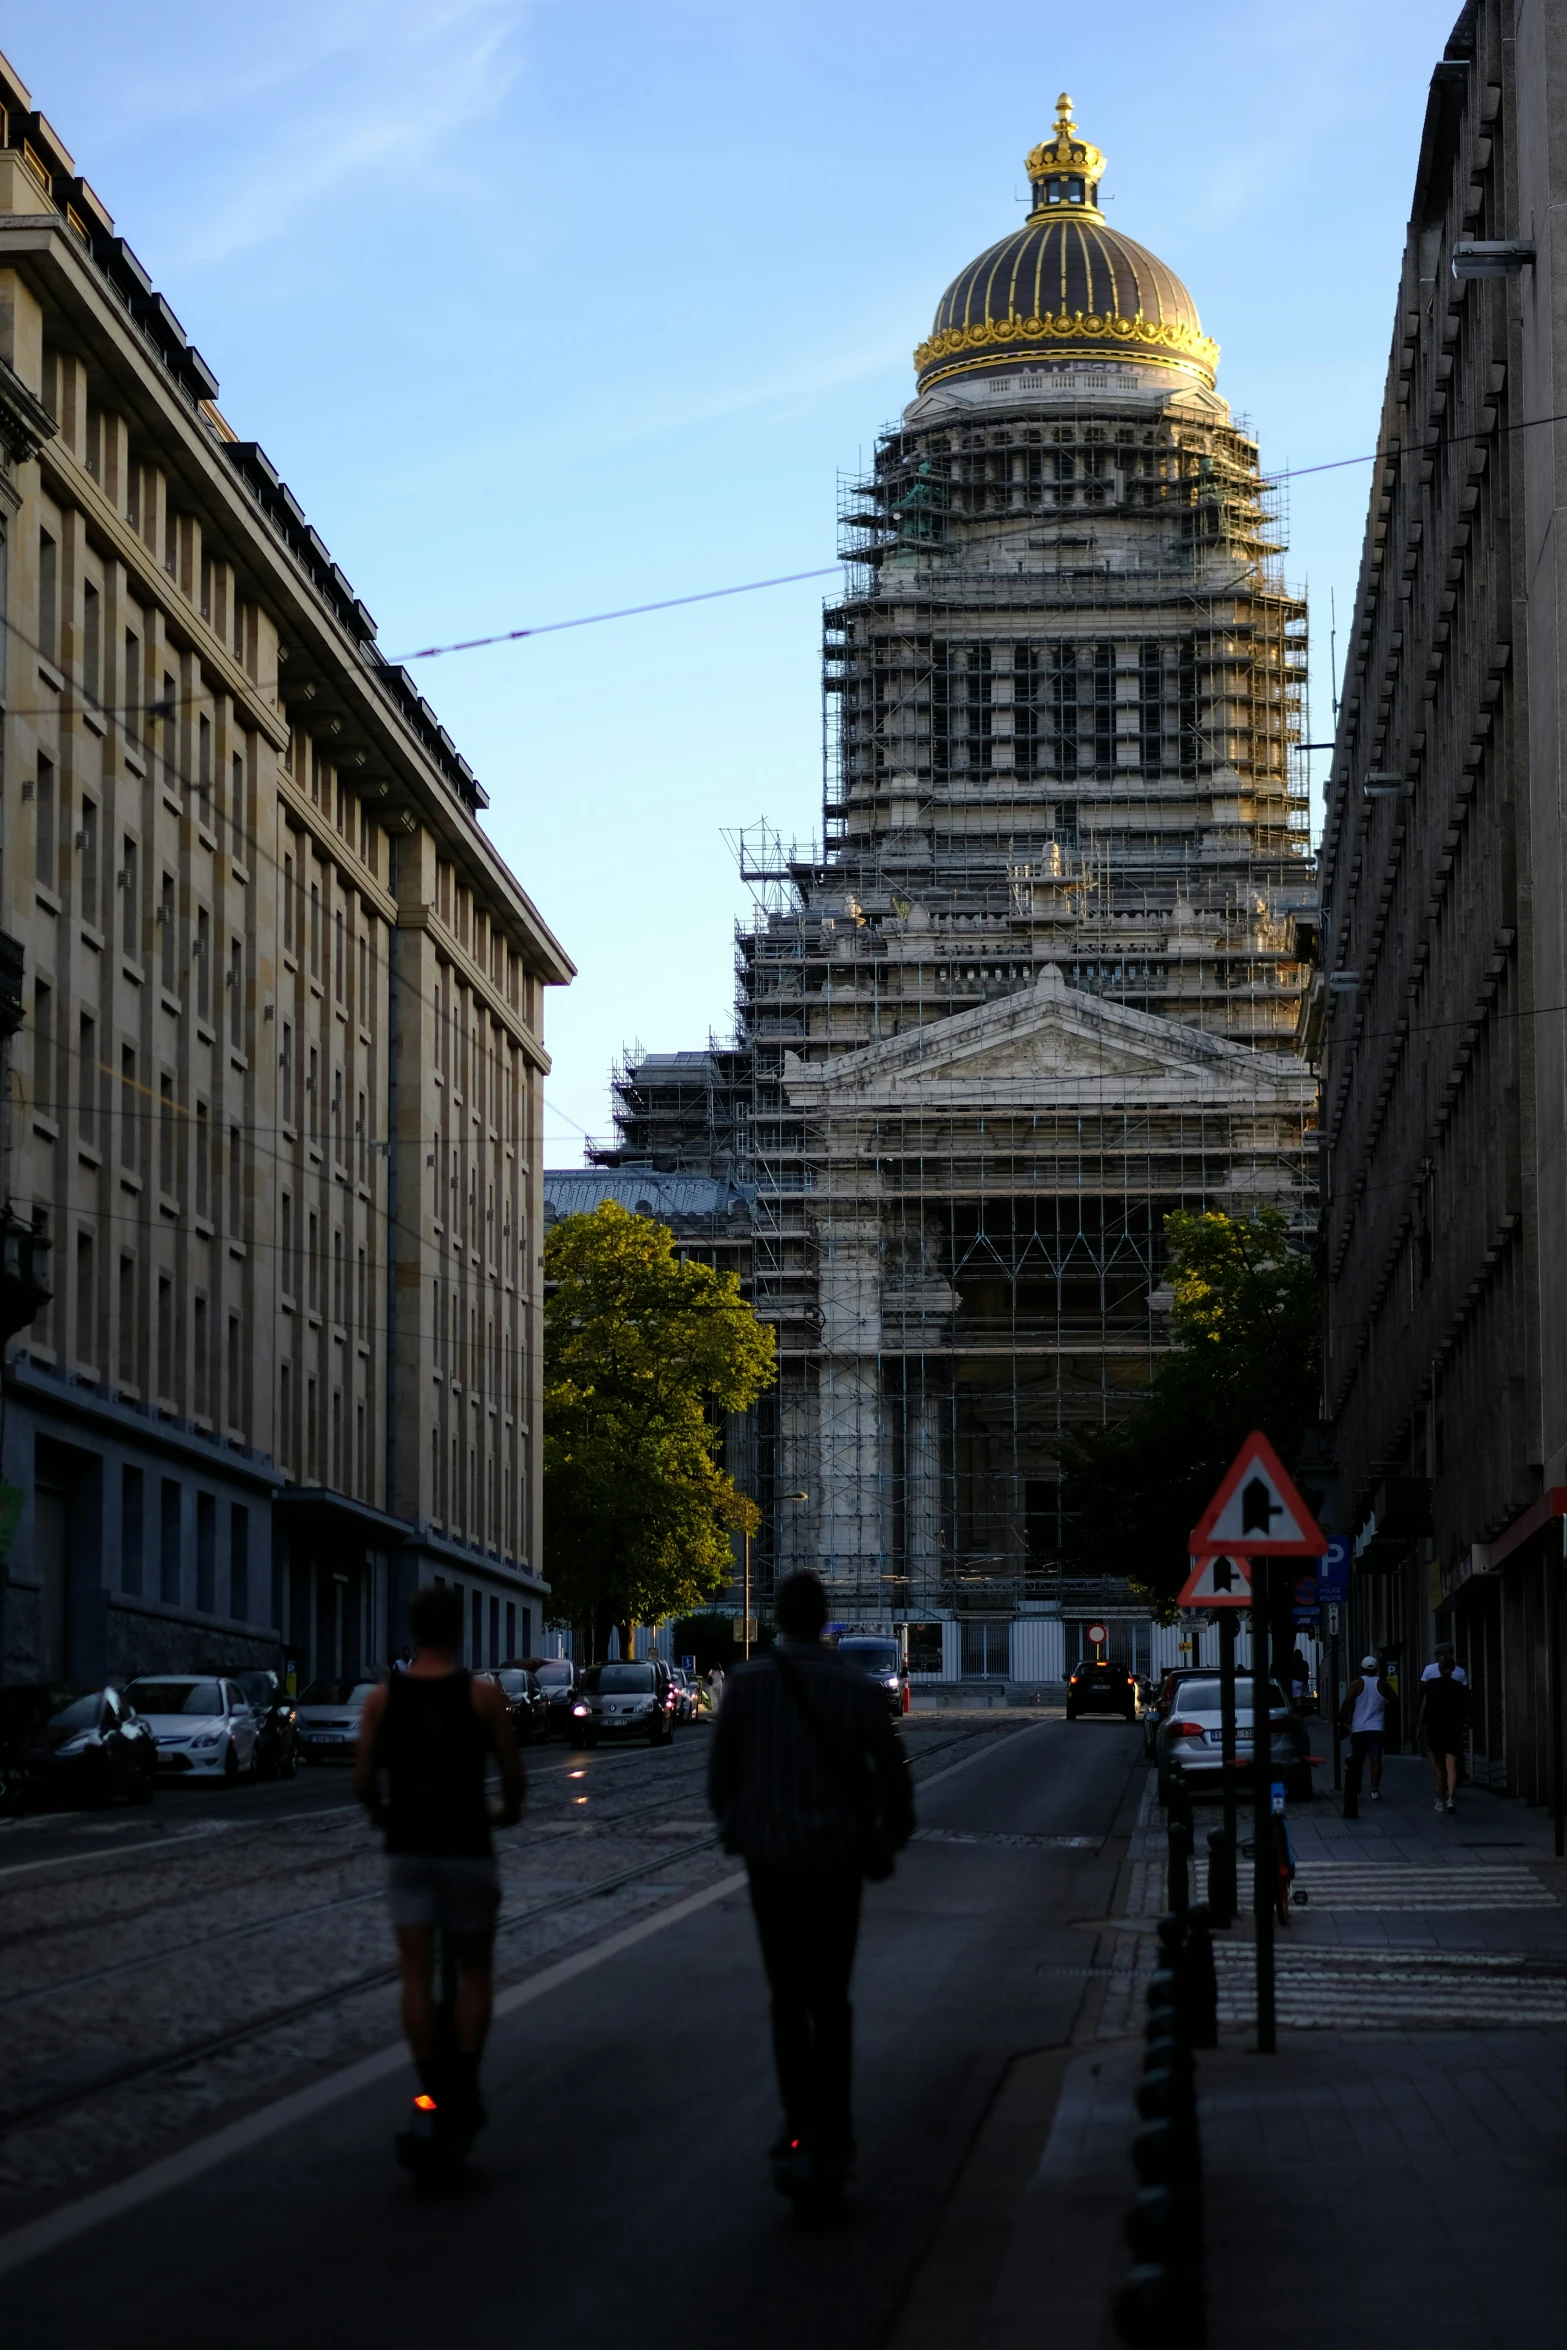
x=1050, y=1042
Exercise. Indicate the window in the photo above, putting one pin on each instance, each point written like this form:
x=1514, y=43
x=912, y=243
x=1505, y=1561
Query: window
x=337, y=1438
x=168, y=710
x=88, y=844
x=204, y=766
x=234, y=1387
x=312, y=1434
x=364, y=978
x=337, y=1274
x=286, y=1415
x=134, y=687
x=476, y=1628
x=127, y=1320
x=130, y=1109
x=288, y=905
x=166, y=1136
x=203, y=1160
x=313, y=1105
x=87, y=1076
x=46, y=862
x=986, y=1649
x=130, y=898
x=286, y=1064
x=286, y=1229
x=236, y=983
x=203, y=962
x=92, y=644
x=165, y=1338
x=199, y=1383
x=361, y=1481
x=495, y=1631
x=86, y=1303
x=131, y=1531
x=239, y=1562
x=236, y=1184
x=43, y=1048
x=364, y=1140
x=363, y=1294
x=48, y=597
x=239, y=813
x=312, y=1275
x=315, y=930
x=206, y=1553
x=166, y=923
x=169, y=1560
x=337, y=955
x=337, y=1117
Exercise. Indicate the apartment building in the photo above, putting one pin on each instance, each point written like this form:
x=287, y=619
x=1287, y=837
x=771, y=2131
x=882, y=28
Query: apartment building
x=274, y=1104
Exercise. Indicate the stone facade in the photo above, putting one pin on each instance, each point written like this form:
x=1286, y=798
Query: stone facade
x=1444, y=859
x=276, y=1100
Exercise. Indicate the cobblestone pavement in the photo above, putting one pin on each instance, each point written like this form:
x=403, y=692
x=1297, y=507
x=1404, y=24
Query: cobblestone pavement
x=147, y=1992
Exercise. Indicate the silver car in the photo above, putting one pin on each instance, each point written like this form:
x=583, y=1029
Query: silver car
x=631, y=1700
x=327, y=1718
x=1191, y=1735
x=203, y=1727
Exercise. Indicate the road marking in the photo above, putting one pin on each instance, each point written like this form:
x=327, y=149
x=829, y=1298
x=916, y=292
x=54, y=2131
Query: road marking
x=1019, y=1837
x=1348, y=1990
x=176, y=2170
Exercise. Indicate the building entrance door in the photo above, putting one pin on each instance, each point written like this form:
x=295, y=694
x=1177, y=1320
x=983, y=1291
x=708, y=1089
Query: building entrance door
x=50, y=1559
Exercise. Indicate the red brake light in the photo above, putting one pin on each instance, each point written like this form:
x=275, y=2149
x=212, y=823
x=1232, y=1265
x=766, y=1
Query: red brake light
x=1188, y=1729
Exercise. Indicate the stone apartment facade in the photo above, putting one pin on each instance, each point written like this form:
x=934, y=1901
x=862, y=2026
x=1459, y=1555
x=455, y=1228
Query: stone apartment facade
x=1444, y=1110
x=275, y=1098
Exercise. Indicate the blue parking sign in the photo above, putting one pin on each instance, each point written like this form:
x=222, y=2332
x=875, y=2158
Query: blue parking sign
x=1333, y=1571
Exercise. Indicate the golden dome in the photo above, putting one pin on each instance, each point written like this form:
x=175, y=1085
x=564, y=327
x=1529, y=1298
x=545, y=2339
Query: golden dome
x=1065, y=286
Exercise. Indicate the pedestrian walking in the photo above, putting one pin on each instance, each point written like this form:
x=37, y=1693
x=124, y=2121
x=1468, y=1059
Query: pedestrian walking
x=1300, y=1680
x=1366, y=1701
x=808, y=1780
x=426, y=1736
x=1434, y=1669
x=715, y=1686
x=1440, y=1725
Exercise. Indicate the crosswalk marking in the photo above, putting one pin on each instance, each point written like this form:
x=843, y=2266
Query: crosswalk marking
x=1328, y=1990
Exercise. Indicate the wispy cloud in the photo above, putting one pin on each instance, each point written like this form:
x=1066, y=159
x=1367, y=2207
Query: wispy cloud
x=346, y=95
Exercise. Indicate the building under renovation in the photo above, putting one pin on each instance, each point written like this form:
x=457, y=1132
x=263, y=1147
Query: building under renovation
x=1040, y=979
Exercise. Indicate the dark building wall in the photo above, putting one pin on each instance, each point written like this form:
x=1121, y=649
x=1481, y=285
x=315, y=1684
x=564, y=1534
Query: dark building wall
x=1442, y=1095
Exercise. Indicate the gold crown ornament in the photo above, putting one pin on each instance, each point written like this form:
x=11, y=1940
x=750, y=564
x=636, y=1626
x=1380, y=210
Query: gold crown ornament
x=1066, y=169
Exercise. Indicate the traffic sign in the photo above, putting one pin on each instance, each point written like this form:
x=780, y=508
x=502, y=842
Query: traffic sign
x=1257, y=1509
x=1333, y=1570
x=1217, y=1581
x=1098, y=1634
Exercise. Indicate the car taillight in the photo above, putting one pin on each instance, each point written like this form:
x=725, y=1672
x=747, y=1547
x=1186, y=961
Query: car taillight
x=1189, y=1730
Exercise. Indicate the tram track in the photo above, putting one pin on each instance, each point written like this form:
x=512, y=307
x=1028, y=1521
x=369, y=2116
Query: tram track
x=184, y=2055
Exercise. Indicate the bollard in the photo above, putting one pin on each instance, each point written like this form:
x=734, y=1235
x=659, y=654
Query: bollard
x=1221, y=1878
x=1166, y=2153
x=1161, y=2306
x=1199, y=1980
x=1180, y=1831
x=1165, y=2224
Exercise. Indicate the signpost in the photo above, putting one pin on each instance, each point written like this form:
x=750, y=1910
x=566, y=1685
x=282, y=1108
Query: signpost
x=1224, y=1583
x=1333, y=1590
x=1098, y=1634
x=1258, y=1512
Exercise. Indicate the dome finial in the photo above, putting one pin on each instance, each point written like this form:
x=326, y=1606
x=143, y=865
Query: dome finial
x=1066, y=169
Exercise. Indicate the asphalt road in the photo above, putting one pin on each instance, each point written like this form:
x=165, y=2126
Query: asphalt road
x=622, y=2185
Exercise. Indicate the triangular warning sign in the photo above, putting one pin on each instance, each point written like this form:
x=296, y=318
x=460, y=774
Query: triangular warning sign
x=1217, y=1581
x=1257, y=1509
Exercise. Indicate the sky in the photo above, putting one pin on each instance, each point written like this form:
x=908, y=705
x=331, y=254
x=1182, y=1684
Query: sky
x=546, y=307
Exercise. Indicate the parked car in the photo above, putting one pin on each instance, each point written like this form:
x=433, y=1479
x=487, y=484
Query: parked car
x=525, y=1701
x=1097, y=1687
x=630, y=1700
x=278, y=1749
x=85, y=1744
x=557, y=1677
x=1157, y=1706
x=203, y=1727
x=883, y=1661
x=1192, y=1736
x=327, y=1718
x=687, y=1696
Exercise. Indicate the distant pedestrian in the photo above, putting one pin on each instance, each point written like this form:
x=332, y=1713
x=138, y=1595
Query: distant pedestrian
x=1440, y=1726
x=715, y=1686
x=1433, y=1670
x=808, y=1779
x=1300, y=1680
x=1365, y=1708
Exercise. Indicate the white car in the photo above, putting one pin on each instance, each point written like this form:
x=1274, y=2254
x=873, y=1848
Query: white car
x=202, y=1724
x=326, y=1715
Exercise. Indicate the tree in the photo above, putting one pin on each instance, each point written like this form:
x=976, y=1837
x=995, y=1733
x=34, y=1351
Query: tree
x=1246, y=1325
x=643, y=1356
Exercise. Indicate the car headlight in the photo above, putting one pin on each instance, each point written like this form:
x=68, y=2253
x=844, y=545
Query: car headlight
x=206, y=1738
x=77, y=1745
x=582, y=1710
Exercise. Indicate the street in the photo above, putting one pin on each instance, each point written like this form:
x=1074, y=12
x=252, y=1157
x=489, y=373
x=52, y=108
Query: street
x=622, y=2181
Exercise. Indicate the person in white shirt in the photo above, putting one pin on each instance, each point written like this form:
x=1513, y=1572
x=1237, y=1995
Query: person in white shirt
x=1433, y=1672
x=1365, y=1706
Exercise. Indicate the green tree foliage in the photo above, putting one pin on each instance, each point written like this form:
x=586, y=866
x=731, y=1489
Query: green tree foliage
x=1246, y=1331
x=642, y=1358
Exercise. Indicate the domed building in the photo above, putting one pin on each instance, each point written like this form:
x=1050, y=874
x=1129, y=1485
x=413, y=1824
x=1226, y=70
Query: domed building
x=1038, y=984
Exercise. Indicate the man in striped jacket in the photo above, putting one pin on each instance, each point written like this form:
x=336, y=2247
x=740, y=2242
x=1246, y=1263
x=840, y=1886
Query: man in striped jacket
x=809, y=1782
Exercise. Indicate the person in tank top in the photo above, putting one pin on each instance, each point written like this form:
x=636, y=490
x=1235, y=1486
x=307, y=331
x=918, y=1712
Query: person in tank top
x=426, y=1737
x=1365, y=1709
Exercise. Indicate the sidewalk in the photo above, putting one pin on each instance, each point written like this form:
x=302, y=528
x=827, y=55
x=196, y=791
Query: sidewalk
x=1397, y=2173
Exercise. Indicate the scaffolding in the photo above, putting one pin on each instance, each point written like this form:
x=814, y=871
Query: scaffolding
x=1037, y=983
